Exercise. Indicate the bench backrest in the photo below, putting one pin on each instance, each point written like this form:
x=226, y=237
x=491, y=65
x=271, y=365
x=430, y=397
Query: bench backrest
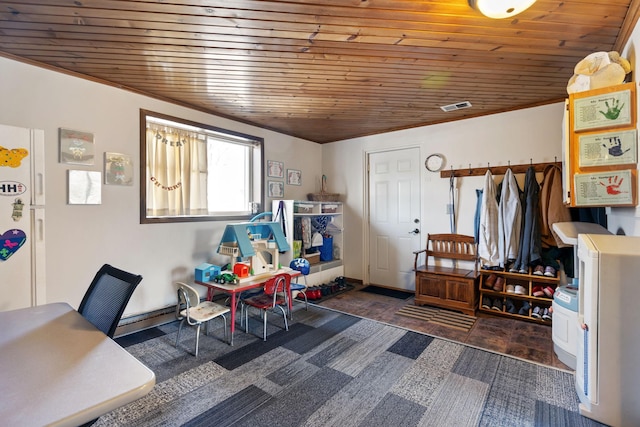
x=451, y=246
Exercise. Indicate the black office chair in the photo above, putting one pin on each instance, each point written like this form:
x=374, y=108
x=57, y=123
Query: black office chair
x=107, y=296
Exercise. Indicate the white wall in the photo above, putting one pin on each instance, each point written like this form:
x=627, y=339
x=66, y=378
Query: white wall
x=627, y=220
x=517, y=137
x=79, y=239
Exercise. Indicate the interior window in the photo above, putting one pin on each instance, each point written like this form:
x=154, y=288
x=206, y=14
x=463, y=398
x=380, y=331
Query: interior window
x=196, y=172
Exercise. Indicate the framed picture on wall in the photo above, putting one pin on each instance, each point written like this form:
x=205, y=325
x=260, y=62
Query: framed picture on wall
x=294, y=177
x=613, y=188
x=276, y=189
x=603, y=108
x=275, y=169
x=84, y=187
x=76, y=147
x=118, y=169
x=608, y=148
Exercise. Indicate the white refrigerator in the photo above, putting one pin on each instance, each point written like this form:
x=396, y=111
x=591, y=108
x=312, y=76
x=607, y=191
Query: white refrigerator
x=608, y=354
x=22, y=263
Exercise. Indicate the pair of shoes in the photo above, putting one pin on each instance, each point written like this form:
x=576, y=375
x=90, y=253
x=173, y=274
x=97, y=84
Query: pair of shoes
x=524, y=310
x=549, y=271
x=541, y=312
x=538, y=270
x=548, y=291
x=490, y=281
x=486, y=303
x=520, y=290
x=537, y=291
x=510, y=306
x=499, y=285
x=497, y=304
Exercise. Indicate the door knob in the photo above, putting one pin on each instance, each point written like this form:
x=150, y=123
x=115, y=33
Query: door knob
x=416, y=231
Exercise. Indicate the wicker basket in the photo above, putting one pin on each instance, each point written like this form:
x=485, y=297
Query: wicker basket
x=324, y=197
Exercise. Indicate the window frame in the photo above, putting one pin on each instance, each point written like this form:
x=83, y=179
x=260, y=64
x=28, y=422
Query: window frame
x=258, y=175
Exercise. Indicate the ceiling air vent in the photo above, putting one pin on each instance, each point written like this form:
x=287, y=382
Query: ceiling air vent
x=456, y=106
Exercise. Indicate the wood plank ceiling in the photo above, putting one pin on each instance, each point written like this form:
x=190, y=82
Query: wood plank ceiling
x=322, y=70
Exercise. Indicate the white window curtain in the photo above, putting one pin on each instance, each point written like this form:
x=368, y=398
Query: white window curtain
x=175, y=159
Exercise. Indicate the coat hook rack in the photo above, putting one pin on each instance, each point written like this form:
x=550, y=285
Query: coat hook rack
x=498, y=170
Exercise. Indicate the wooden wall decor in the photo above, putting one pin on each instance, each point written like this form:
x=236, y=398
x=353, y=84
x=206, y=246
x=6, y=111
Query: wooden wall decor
x=496, y=170
x=602, y=149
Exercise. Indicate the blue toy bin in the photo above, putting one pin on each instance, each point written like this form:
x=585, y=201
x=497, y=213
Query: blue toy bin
x=326, y=250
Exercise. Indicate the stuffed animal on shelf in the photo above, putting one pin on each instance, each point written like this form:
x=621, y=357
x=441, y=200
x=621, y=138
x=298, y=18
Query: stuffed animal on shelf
x=598, y=70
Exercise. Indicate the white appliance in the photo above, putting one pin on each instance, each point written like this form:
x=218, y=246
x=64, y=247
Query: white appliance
x=608, y=356
x=22, y=264
x=565, y=299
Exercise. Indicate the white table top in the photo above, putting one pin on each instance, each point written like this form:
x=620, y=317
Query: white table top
x=568, y=231
x=57, y=369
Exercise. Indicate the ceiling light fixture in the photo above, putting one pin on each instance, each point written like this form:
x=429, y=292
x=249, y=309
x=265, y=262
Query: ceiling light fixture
x=499, y=9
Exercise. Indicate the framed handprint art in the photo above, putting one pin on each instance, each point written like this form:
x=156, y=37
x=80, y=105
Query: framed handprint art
x=604, y=108
x=615, y=188
x=601, y=151
x=618, y=147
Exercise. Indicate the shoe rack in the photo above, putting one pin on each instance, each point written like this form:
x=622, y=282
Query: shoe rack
x=494, y=285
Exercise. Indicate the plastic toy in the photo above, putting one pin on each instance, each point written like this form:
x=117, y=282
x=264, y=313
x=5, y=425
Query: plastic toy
x=226, y=278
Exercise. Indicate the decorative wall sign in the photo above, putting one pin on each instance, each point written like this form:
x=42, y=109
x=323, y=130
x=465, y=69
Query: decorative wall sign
x=604, y=188
x=294, y=177
x=610, y=109
x=76, y=147
x=609, y=148
x=85, y=188
x=118, y=169
x=276, y=189
x=275, y=169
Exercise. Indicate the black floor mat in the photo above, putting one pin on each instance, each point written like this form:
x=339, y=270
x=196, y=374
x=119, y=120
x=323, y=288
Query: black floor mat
x=388, y=292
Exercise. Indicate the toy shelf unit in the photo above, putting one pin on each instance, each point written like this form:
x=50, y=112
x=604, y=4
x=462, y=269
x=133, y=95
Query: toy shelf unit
x=322, y=224
x=525, y=292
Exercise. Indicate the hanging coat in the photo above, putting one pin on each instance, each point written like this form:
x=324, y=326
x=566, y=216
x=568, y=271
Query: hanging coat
x=509, y=220
x=488, y=233
x=529, y=251
x=552, y=207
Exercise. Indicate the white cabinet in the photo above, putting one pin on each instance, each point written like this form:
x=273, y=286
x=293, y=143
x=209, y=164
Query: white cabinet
x=305, y=218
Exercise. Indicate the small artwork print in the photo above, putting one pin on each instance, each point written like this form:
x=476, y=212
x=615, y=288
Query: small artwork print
x=276, y=189
x=275, y=169
x=609, y=148
x=118, y=169
x=84, y=188
x=294, y=177
x=76, y=147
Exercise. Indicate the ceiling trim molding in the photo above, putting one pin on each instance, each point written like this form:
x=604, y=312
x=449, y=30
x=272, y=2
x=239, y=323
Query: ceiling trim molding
x=630, y=21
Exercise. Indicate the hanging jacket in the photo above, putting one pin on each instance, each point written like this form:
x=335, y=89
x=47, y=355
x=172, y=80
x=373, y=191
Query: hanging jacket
x=476, y=218
x=552, y=207
x=488, y=233
x=529, y=251
x=509, y=220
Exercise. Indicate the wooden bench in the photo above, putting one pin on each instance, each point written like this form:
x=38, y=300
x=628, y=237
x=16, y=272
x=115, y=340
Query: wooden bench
x=448, y=286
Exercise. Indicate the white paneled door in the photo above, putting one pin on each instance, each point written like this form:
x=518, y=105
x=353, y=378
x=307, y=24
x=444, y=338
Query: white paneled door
x=394, y=217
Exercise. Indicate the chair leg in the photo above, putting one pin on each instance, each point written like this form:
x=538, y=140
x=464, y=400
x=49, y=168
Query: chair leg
x=284, y=316
x=197, y=338
x=246, y=320
x=179, y=329
x=264, y=328
x=224, y=319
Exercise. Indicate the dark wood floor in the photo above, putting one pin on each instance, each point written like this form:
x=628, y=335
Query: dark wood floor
x=526, y=340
